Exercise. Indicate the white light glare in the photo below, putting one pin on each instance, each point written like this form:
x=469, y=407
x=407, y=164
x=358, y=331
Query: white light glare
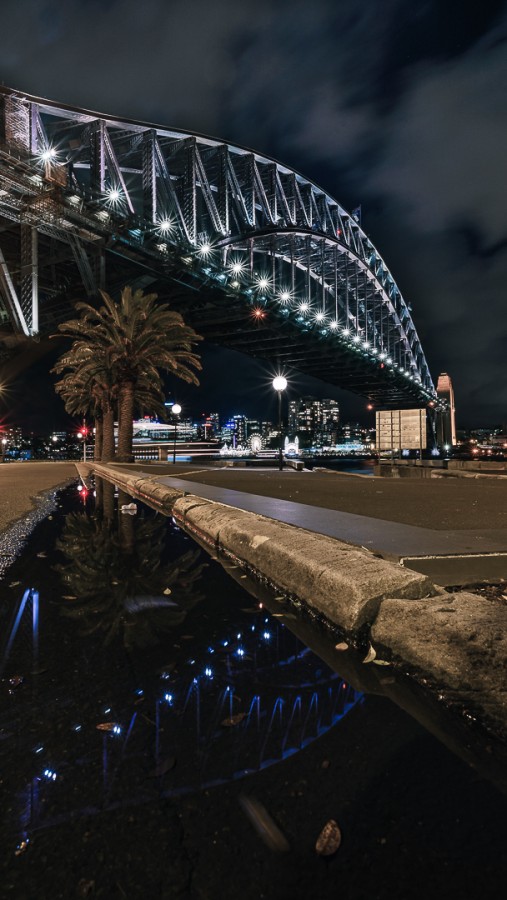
x=47, y=154
x=165, y=225
x=320, y=317
x=237, y=267
x=279, y=383
x=304, y=307
x=346, y=331
x=114, y=195
x=204, y=249
x=263, y=283
x=333, y=325
x=356, y=339
x=285, y=296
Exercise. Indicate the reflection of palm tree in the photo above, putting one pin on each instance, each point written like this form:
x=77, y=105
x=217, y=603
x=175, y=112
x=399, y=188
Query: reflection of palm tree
x=113, y=586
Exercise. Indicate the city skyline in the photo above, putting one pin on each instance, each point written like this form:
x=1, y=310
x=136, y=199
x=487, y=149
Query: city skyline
x=401, y=115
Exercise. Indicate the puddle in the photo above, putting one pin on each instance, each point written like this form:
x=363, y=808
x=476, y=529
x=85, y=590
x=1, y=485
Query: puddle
x=160, y=711
x=133, y=666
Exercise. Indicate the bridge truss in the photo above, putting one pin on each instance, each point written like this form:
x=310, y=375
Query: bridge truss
x=254, y=255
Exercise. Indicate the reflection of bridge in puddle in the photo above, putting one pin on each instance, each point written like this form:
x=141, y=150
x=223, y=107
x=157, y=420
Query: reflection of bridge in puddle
x=251, y=700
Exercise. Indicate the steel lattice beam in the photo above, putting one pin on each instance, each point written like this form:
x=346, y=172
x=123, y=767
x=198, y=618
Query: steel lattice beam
x=218, y=220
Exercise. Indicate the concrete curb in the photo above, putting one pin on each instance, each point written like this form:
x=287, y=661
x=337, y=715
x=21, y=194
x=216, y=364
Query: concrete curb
x=457, y=640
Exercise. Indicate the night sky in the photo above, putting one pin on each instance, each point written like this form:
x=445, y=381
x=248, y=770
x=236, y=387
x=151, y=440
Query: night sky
x=399, y=106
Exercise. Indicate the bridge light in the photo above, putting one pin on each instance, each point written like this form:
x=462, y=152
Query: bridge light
x=113, y=195
x=205, y=249
x=346, y=332
x=319, y=316
x=237, y=267
x=165, y=225
x=258, y=313
x=389, y=361
x=366, y=344
x=235, y=284
x=285, y=296
x=356, y=339
x=382, y=355
x=333, y=324
x=263, y=283
x=374, y=350
x=47, y=154
x=304, y=307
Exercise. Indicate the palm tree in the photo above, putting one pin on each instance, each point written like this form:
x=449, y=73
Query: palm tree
x=87, y=388
x=134, y=339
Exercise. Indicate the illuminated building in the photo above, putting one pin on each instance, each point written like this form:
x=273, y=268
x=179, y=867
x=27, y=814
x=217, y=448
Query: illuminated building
x=446, y=416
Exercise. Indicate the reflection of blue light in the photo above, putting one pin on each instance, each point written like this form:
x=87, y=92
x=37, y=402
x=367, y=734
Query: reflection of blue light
x=252, y=628
x=239, y=636
x=49, y=774
x=169, y=698
x=210, y=650
x=165, y=676
x=140, y=692
x=116, y=729
x=39, y=749
x=208, y=672
x=266, y=620
x=107, y=709
x=266, y=635
x=191, y=662
x=77, y=728
x=240, y=651
x=225, y=643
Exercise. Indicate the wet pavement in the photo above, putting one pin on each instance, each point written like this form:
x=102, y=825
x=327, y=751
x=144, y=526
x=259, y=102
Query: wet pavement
x=136, y=735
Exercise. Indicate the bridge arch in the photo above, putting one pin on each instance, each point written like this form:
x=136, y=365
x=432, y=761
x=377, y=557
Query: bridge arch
x=264, y=260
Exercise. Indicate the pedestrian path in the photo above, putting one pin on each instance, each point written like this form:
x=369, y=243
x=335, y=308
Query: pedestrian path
x=456, y=556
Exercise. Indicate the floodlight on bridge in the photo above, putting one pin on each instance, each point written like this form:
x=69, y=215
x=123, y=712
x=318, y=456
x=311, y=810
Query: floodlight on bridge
x=47, y=154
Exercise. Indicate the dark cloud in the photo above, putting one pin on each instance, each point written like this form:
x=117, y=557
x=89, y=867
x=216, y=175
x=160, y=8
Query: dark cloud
x=398, y=106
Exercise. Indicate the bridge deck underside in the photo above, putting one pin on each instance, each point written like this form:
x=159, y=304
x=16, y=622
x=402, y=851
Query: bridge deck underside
x=220, y=317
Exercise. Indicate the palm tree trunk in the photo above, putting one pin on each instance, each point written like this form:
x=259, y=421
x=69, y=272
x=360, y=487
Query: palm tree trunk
x=108, y=498
x=125, y=422
x=97, y=451
x=107, y=432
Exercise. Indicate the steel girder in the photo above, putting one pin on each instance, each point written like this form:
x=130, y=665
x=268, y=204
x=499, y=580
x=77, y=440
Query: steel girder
x=222, y=221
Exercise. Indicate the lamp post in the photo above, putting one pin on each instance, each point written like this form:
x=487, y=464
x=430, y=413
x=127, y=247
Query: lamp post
x=4, y=447
x=82, y=436
x=279, y=384
x=175, y=409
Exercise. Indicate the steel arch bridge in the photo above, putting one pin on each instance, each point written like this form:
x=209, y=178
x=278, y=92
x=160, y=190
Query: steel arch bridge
x=254, y=255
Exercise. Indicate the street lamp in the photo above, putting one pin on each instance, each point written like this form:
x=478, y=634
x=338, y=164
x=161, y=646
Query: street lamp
x=82, y=436
x=175, y=409
x=4, y=446
x=280, y=384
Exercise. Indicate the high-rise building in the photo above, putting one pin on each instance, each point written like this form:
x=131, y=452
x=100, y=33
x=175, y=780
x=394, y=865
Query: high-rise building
x=446, y=414
x=315, y=420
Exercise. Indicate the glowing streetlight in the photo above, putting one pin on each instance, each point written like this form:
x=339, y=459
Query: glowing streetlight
x=175, y=409
x=280, y=384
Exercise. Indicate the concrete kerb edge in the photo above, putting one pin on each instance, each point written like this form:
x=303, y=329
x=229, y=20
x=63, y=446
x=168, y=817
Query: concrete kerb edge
x=344, y=583
x=368, y=614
